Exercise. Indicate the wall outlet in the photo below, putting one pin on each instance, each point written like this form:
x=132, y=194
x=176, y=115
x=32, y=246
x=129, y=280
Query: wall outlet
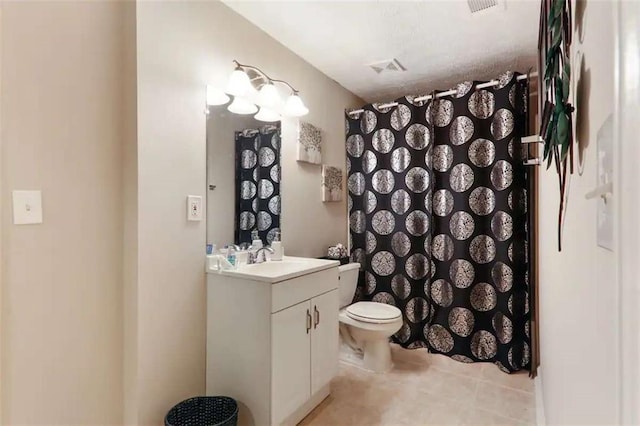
x=194, y=207
x=27, y=207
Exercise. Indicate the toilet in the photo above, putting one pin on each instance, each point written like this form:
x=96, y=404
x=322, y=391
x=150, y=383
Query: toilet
x=365, y=327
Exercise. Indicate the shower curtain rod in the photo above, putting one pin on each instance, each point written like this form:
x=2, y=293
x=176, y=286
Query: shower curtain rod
x=447, y=93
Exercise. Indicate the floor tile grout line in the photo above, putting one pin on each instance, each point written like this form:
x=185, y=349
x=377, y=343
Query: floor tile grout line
x=475, y=397
x=503, y=415
x=480, y=378
x=477, y=382
x=505, y=386
x=445, y=370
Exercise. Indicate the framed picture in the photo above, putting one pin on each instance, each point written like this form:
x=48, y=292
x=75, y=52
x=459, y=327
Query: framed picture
x=331, y=183
x=309, y=143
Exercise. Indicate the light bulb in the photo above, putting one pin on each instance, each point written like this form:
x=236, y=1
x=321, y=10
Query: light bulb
x=267, y=114
x=239, y=83
x=242, y=106
x=216, y=96
x=294, y=107
x=268, y=96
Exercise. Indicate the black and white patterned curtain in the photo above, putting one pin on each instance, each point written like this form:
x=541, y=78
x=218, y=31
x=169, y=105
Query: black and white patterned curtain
x=437, y=211
x=258, y=183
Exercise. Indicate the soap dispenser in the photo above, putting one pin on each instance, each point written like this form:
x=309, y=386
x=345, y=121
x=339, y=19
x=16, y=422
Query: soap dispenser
x=256, y=242
x=276, y=246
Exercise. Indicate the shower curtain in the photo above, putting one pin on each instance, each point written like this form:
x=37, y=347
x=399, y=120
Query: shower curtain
x=258, y=183
x=437, y=215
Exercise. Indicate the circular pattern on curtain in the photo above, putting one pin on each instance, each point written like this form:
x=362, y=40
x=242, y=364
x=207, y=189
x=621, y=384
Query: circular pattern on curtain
x=400, y=160
x=400, y=117
x=437, y=216
x=461, y=130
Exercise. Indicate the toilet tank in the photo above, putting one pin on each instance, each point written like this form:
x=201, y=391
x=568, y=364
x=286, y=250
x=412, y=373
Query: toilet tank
x=348, y=282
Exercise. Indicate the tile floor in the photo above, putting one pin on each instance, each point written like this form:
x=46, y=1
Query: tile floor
x=426, y=389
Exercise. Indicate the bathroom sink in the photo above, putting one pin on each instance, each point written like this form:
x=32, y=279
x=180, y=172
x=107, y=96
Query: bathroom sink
x=280, y=270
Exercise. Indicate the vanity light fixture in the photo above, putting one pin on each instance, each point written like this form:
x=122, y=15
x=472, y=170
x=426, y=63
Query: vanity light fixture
x=216, y=96
x=242, y=106
x=266, y=114
x=241, y=88
x=239, y=83
x=268, y=96
x=294, y=106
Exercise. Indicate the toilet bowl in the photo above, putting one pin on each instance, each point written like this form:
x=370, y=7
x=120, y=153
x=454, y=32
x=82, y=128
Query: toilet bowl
x=365, y=327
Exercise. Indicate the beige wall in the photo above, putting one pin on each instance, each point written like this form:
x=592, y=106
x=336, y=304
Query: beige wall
x=130, y=217
x=62, y=280
x=2, y=203
x=181, y=48
x=578, y=307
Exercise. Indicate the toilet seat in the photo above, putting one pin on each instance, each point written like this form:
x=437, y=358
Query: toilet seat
x=373, y=312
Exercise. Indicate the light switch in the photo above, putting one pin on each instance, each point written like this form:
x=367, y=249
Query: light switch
x=27, y=207
x=194, y=207
x=605, y=225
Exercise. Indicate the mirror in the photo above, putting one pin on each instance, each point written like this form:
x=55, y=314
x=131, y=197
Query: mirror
x=243, y=178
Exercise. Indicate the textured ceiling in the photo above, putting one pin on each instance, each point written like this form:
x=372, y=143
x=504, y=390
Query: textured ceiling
x=439, y=42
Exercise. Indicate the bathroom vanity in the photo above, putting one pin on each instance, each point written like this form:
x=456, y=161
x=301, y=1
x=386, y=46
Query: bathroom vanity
x=272, y=337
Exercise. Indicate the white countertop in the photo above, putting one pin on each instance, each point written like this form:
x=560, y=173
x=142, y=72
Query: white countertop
x=275, y=271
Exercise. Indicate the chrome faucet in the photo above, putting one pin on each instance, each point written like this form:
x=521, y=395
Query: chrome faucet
x=254, y=257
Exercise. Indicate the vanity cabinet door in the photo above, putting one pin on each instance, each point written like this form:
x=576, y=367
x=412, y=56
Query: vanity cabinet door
x=324, y=339
x=291, y=330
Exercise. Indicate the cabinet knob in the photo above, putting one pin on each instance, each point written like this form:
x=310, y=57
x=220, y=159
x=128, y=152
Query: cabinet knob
x=308, y=321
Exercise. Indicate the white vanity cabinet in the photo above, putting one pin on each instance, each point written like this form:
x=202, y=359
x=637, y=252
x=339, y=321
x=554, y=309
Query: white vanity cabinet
x=272, y=341
x=304, y=350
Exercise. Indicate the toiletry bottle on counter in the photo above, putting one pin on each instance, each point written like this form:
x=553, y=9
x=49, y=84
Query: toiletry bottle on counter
x=212, y=263
x=276, y=245
x=231, y=255
x=256, y=242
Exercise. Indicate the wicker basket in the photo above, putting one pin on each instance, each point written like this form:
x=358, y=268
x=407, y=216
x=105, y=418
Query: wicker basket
x=204, y=411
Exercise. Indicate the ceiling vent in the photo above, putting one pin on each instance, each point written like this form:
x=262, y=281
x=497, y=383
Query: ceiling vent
x=478, y=5
x=388, y=65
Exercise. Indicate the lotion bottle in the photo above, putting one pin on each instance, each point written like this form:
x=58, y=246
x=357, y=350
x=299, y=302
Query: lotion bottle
x=278, y=250
x=231, y=256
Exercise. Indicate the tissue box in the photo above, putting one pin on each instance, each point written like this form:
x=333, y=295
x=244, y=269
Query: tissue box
x=337, y=252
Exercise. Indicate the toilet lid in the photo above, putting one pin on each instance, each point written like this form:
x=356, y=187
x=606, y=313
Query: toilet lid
x=373, y=312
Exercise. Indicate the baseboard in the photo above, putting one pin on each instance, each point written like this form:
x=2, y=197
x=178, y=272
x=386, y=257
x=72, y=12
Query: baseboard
x=541, y=419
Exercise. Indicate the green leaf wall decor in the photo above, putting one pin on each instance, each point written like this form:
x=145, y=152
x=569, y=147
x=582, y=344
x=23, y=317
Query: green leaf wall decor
x=554, y=45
